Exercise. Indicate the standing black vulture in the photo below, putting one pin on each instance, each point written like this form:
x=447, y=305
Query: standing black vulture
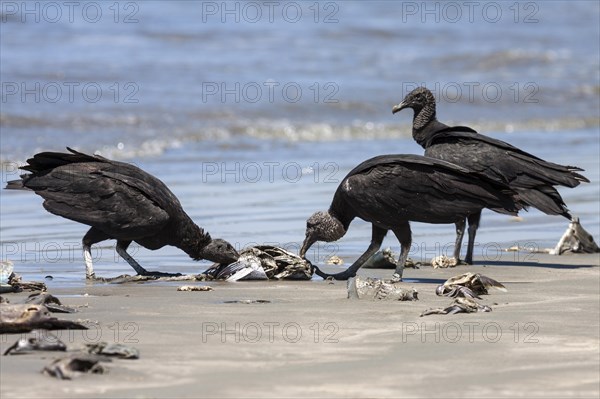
x=531, y=177
x=391, y=190
x=120, y=201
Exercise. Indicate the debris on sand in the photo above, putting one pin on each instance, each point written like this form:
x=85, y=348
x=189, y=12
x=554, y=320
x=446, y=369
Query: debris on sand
x=476, y=284
x=73, y=366
x=443, y=262
x=51, y=302
x=45, y=342
x=576, y=240
x=248, y=301
x=113, y=350
x=22, y=318
x=378, y=289
x=386, y=259
x=263, y=262
x=12, y=282
x=194, y=288
x=460, y=305
x=335, y=260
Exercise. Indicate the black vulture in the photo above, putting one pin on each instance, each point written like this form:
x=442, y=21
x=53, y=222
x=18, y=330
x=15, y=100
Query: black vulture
x=389, y=191
x=119, y=201
x=531, y=177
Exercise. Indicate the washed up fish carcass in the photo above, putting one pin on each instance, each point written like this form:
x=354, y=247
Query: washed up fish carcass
x=476, y=284
x=12, y=282
x=51, y=302
x=45, y=342
x=575, y=239
x=263, y=262
x=74, y=366
x=370, y=288
x=113, y=350
x=24, y=318
x=247, y=267
x=460, y=305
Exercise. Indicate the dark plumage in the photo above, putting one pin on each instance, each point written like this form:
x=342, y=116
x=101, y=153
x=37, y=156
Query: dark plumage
x=120, y=201
x=531, y=177
x=391, y=190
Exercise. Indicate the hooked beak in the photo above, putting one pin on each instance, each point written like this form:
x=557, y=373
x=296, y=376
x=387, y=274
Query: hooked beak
x=399, y=107
x=308, y=242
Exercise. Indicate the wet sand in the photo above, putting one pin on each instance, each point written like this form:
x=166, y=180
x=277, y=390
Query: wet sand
x=540, y=340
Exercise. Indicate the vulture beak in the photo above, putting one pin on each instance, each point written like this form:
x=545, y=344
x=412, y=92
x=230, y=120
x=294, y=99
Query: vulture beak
x=308, y=242
x=399, y=107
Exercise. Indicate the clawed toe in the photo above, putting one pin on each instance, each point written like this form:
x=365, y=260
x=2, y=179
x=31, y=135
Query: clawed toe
x=339, y=276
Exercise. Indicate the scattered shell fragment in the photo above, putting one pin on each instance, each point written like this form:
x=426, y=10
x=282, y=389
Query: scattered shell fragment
x=443, y=261
x=335, y=260
x=194, y=288
x=370, y=288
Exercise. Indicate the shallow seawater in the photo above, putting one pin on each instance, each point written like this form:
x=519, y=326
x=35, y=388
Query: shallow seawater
x=262, y=191
x=251, y=168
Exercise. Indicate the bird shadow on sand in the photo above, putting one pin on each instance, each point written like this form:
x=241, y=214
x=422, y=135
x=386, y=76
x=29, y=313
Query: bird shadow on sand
x=416, y=280
x=539, y=264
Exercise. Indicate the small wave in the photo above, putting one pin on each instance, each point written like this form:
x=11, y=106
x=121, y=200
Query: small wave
x=144, y=143
x=502, y=59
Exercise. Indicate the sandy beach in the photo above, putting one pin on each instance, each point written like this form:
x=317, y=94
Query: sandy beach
x=540, y=340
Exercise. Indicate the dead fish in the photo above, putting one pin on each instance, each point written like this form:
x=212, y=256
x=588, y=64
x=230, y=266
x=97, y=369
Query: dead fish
x=460, y=305
x=457, y=291
x=74, y=366
x=22, y=318
x=113, y=350
x=51, y=302
x=370, y=288
x=575, y=239
x=46, y=342
x=247, y=267
x=264, y=262
x=478, y=284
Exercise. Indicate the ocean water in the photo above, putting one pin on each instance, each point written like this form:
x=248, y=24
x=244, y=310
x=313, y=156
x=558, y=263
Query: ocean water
x=253, y=112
